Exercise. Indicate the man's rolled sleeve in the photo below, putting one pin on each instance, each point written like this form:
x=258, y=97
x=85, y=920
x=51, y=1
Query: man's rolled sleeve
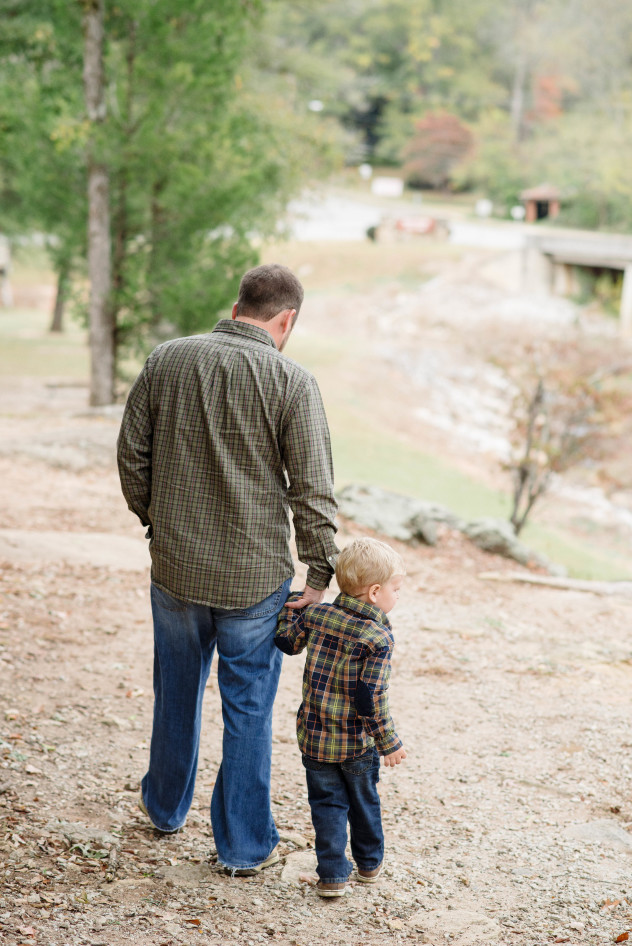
x=308, y=461
x=134, y=449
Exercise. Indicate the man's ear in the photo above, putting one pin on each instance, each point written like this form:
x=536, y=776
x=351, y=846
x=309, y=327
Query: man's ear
x=234, y=311
x=288, y=319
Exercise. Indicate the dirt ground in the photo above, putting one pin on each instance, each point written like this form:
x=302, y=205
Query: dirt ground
x=508, y=823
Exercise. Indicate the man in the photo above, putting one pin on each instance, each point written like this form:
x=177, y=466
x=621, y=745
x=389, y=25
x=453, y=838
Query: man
x=221, y=436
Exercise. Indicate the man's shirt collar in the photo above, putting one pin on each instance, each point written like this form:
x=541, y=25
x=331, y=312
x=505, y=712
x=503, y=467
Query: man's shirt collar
x=369, y=612
x=246, y=329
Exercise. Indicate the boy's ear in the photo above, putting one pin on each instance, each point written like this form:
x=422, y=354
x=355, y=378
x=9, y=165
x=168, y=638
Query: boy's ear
x=373, y=591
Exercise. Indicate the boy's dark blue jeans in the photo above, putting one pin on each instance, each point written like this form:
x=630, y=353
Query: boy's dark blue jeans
x=339, y=792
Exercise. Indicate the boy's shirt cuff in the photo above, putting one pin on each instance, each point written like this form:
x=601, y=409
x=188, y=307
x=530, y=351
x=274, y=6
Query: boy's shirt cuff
x=389, y=743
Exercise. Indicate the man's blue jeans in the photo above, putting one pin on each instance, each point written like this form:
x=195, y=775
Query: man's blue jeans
x=249, y=665
x=339, y=792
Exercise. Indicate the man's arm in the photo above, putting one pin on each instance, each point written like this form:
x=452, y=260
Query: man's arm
x=307, y=459
x=371, y=701
x=134, y=448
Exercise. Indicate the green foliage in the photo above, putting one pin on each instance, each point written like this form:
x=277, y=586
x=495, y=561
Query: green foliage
x=377, y=65
x=495, y=165
x=202, y=151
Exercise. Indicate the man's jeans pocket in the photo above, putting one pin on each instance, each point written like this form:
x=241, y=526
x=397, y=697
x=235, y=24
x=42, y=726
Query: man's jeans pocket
x=273, y=603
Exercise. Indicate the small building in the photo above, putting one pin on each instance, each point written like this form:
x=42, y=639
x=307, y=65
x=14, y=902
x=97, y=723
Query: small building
x=540, y=202
x=6, y=295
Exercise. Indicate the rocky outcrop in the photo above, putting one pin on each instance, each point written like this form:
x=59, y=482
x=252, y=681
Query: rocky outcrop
x=401, y=517
x=415, y=521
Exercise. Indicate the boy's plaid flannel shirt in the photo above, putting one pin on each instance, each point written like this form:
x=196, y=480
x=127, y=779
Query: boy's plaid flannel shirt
x=345, y=704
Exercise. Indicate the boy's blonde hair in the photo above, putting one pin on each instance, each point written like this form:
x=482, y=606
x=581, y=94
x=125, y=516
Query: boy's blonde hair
x=367, y=562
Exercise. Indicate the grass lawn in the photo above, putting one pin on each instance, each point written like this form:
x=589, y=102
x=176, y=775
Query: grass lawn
x=360, y=457
x=28, y=349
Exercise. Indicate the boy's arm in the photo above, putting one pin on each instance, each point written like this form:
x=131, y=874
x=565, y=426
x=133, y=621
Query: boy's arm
x=371, y=701
x=292, y=632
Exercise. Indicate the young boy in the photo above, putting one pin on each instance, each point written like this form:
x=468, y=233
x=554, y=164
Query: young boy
x=344, y=720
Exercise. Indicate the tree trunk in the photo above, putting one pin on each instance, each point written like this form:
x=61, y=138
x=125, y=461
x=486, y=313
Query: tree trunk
x=518, y=97
x=102, y=338
x=63, y=282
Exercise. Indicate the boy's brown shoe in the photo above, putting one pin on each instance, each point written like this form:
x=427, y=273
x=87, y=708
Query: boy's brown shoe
x=330, y=890
x=369, y=876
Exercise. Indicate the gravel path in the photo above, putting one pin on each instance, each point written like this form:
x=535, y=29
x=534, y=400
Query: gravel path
x=508, y=823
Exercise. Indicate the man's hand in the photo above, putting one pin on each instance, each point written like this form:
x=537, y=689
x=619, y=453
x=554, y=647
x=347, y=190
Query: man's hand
x=394, y=758
x=309, y=596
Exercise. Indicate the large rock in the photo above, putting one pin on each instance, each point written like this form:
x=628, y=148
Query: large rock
x=400, y=517
x=498, y=536
x=300, y=867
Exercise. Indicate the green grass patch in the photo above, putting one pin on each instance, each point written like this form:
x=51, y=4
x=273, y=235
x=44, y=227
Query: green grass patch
x=359, y=267
x=368, y=457
x=579, y=559
x=362, y=455
x=28, y=348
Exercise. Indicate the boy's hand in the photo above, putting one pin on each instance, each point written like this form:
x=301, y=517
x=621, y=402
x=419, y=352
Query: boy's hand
x=394, y=758
x=308, y=596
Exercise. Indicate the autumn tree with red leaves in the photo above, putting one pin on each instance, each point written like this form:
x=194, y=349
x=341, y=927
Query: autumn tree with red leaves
x=441, y=141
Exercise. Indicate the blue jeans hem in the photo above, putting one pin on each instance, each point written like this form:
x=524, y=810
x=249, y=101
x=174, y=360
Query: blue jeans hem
x=153, y=823
x=226, y=866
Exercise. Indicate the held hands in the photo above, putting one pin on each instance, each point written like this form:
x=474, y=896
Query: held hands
x=394, y=758
x=309, y=596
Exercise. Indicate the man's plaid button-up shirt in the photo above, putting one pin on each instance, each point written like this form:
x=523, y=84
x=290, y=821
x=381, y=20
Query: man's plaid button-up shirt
x=221, y=436
x=345, y=682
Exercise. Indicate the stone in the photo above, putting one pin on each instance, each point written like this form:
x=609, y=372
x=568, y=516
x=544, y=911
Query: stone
x=461, y=927
x=290, y=837
x=186, y=874
x=77, y=833
x=603, y=831
x=297, y=864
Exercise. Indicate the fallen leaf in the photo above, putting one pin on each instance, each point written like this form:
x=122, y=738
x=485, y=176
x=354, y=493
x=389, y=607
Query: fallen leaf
x=194, y=922
x=622, y=937
x=28, y=931
x=307, y=879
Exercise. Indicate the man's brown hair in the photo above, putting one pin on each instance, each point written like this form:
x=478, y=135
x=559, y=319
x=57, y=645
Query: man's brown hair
x=266, y=290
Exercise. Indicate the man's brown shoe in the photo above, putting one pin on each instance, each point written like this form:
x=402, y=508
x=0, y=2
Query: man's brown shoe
x=330, y=890
x=369, y=876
